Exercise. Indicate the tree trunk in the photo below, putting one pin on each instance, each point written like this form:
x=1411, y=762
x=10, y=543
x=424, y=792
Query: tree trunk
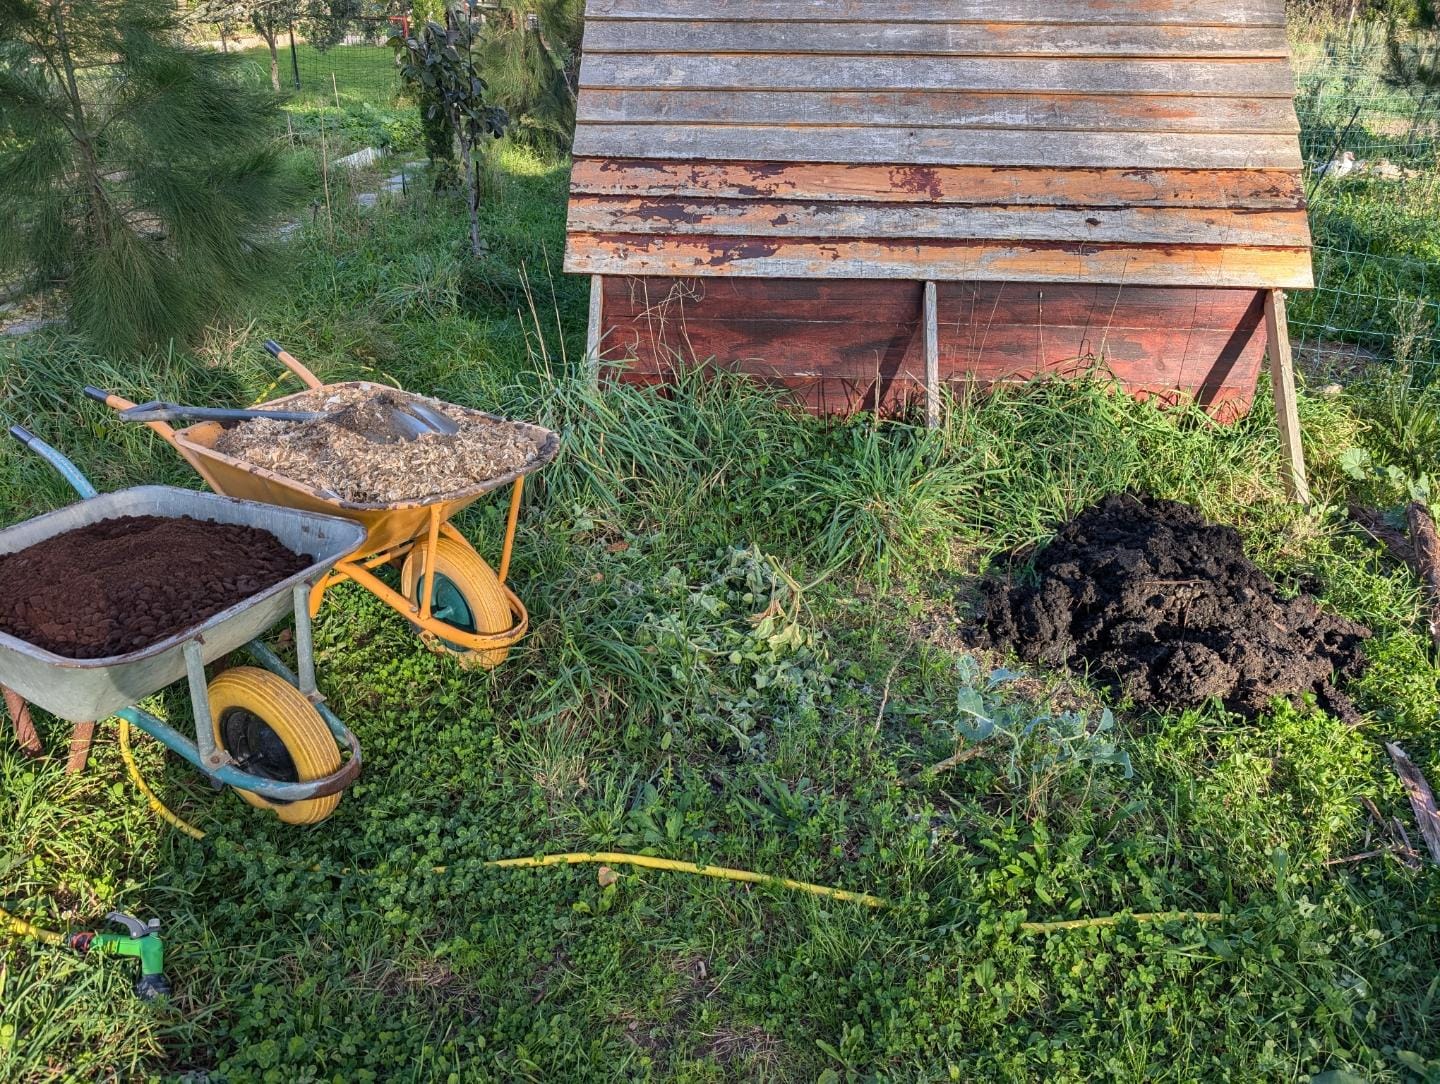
x=268, y=33
x=472, y=187
x=224, y=45
x=98, y=216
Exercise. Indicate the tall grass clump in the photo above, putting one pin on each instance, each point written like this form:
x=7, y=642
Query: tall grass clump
x=878, y=495
x=658, y=461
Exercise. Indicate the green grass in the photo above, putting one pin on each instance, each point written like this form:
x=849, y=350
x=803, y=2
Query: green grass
x=353, y=92
x=652, y=710
x=358, y=73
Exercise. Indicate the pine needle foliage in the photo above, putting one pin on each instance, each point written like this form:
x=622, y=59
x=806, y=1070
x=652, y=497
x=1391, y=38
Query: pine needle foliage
x=133, y=168
x=532, y=63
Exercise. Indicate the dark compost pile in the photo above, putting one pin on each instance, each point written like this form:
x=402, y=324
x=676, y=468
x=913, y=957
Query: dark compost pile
x=1167, y=610
x=123, y=584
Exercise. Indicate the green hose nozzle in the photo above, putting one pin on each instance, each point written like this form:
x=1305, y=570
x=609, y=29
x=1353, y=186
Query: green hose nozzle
x=140, y=939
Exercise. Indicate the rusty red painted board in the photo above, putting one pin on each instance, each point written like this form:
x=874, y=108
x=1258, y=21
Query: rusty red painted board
x=850, y=342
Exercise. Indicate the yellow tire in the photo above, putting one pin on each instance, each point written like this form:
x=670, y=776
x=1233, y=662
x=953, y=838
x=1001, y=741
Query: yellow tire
x=263, y=722
x=467, y=595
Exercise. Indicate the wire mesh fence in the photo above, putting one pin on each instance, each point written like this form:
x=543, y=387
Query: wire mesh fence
x=1369, y=108
x=360, y=59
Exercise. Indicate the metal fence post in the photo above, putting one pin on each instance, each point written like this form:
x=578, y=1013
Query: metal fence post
x=294, y=60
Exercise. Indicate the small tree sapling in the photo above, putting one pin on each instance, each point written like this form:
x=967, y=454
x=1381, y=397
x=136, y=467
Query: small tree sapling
x=438, y=61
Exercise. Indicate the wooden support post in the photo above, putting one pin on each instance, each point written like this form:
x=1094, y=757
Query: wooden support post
x=593, y=329
x=80, y=739
x=1282, y=378
x=24, y=726
x=932, y=357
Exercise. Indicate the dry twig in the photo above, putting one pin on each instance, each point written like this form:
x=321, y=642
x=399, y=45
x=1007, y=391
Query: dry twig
x=945, y=765
x=1422, y=799
x=1427, y=560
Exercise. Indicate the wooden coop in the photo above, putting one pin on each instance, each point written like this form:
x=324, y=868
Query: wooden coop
x=864, y=200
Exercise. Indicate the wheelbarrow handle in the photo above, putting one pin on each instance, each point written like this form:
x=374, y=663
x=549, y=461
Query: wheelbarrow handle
x=159, y=411
x=287, y=359
x=119, y=403
x=67, y=470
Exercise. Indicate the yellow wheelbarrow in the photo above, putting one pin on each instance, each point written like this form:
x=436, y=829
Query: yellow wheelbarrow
x=447, y=590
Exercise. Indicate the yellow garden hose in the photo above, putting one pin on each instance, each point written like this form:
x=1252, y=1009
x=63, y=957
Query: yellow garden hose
x=159, y=808
x=573, y=858
x=616, y=858
x=620, y=859
x=21, y=928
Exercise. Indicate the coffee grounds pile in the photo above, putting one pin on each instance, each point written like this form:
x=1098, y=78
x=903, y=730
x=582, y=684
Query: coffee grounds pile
x=1166, y=609
x=341, y=455
x=123, y=584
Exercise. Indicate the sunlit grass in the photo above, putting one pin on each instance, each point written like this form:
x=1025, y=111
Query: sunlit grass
x=644, y=713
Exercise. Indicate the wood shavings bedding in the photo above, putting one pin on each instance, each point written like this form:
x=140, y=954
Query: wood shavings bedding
x=338, y=459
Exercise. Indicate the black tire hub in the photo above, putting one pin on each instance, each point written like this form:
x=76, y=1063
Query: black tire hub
x=256, y=748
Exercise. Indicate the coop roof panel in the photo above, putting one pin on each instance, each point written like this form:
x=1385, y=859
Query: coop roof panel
x=1123, y=141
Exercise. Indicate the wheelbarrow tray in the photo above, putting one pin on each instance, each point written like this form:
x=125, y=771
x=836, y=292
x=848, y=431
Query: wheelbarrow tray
x=386, y=525
x=88, y=689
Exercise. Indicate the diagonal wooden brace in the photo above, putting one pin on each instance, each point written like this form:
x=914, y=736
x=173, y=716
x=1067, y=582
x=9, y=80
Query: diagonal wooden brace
x=1287, y=413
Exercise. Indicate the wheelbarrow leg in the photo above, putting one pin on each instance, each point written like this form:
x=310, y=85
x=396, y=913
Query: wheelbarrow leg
x=80, y=739
x=24, y=726
x=304, y=644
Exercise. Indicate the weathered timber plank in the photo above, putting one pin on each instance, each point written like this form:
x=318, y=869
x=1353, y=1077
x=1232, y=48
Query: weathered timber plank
x=880, y=182
x=1100, y=307
x=1422, y=798
x=849, y=328
x=624, y=254
x=932, y=356
x=943, y=109
x=797, y=355
x=756, y=218
x=898, y=397
x=779, y=348
x=875, y=301
x=1054, y=12
x=695, y=71
x=1177, y=359
x=887, y=38
x=1180, y=358
x=1090, y=307
x=595, y=327
x=942, y=146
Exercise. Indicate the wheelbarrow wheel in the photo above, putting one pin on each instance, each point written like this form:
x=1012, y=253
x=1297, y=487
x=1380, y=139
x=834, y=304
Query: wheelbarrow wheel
x=467, y=595
x=262, y=721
